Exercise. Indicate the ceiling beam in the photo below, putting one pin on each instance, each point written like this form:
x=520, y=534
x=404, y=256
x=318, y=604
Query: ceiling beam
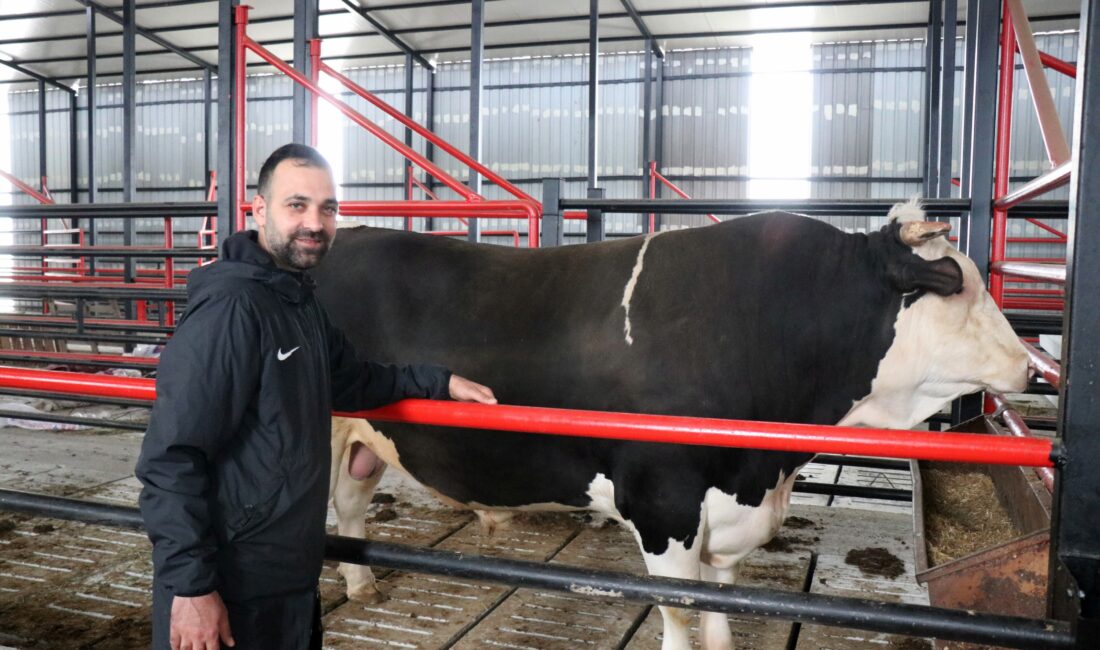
x=38, y=77
x=355, y=8
x=145, y=33
x=640, y=24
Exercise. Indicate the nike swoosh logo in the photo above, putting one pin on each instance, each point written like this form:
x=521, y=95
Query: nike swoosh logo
x=283, y=356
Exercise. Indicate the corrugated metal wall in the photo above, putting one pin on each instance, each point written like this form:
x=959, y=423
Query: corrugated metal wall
x=866, y=130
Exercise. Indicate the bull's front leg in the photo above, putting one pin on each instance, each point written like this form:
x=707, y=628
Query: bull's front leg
x=715, y=626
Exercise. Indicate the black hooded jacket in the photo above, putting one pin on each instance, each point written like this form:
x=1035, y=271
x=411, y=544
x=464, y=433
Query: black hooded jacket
x=236, y=459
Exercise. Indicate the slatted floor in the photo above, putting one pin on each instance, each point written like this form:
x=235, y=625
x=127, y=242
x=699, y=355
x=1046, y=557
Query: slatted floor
x=68, y=585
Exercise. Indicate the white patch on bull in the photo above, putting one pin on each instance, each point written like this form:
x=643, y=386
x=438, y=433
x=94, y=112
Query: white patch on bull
x=734, y=530
x=631, y=284
x=907, y=212
x=944, y=347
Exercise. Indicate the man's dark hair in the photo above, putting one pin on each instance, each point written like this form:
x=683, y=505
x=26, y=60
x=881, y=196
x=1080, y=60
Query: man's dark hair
x=302, y=155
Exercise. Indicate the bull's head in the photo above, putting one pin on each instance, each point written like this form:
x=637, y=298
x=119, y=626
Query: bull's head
x=950, y=337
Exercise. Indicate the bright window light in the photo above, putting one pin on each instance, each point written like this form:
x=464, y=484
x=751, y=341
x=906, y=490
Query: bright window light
x=330, y=131
x=779, y=118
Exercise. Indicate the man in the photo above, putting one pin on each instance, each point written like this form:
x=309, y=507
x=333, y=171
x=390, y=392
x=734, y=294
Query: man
x=236, y=458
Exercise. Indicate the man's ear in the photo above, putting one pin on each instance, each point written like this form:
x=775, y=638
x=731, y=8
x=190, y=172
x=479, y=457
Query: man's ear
x=259, y=209
x=943, y=277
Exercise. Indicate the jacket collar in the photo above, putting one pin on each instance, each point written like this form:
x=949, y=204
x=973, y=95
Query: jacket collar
x=244, y=248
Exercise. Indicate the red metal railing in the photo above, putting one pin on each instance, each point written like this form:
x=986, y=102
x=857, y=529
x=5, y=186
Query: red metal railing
x=523, y=206
x=924, y=445
x=1017, y=427
x=655, y=176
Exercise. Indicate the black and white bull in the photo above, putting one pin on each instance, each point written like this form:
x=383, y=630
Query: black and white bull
x=773, y=317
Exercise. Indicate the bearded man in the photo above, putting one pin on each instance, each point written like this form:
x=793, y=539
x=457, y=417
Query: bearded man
x=235, y=463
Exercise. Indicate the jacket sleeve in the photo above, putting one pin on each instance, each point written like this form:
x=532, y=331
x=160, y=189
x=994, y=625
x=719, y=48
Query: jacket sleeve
x=359, y=385
x=206, y=378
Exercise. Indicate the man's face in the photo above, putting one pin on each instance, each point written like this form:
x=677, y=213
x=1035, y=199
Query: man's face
x=297, y=220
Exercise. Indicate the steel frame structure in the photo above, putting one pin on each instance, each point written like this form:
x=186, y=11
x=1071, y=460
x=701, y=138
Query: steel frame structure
x=1074, y=528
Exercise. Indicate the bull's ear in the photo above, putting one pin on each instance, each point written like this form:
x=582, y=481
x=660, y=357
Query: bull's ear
x=943, y=276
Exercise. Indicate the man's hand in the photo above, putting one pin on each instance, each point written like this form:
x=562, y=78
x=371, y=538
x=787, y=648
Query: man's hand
x=199, y=623
x=464, y=390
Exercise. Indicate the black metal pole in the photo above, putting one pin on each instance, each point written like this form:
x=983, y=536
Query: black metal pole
x=408, y=132
x=975, y=236
x=42, y=132
x=947, y=100
x=429, y=148
x=207, y=124
x=477, y=57
x=1075, y=535
x=93, y=184
x=593, y=92
x=594, y=224
x=227, y=125
x=970, y=65
x=838, y=207
x=913, y=620
x=74, y=167
x=647, y=143
x=553, y=226
x=72, y=419
x=129, y=129
x=659, y=129
x=933, y=47
x=305, y=28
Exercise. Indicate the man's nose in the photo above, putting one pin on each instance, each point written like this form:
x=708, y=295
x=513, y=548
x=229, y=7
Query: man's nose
x=312, y=219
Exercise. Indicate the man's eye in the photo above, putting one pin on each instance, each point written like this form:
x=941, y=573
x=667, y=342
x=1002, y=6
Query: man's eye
x=297, y=205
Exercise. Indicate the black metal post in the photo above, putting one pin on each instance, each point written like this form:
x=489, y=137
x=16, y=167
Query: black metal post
x=41, y=132
x=659, y=129
x=594, y=230
x=408, y=132
x=1075, y=534
x=429, y=148
x=970, y=74
x=593, y=93
x=947, y=100
x=129, y=128
x=92, y=185
x=477, y=57
x=647, y=144
x=974, y=240
x=207, y=123
x=933, y=47
x=227, y=125
x=74, y=169
x=305, y=28
x=553, y=225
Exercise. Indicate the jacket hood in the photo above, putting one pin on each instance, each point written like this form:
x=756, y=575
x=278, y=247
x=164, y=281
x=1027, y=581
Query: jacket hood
x=242, y=258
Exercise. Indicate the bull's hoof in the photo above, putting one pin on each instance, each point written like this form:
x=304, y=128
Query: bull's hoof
x=367, y=594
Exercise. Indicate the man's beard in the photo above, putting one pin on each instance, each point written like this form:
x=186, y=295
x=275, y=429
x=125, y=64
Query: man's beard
x=290, y=252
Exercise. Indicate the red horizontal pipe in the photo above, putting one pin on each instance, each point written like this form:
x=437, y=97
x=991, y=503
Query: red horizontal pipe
x=452, y=209
x=959, y=447
x=575, y=214
x=65, y=320
x=1048, y=368
x=924, y=445
x=1017, y=427
x=77, y=358
x=1054, y=63
x=1035, y=292
x=1034, y=304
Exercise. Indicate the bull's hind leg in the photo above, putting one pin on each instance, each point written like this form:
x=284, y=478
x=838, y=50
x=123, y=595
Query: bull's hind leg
x=678, y=561
x=354, y=478
x=715, y=626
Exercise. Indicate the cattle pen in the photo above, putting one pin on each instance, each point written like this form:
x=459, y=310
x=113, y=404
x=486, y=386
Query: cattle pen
x=87, y=273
